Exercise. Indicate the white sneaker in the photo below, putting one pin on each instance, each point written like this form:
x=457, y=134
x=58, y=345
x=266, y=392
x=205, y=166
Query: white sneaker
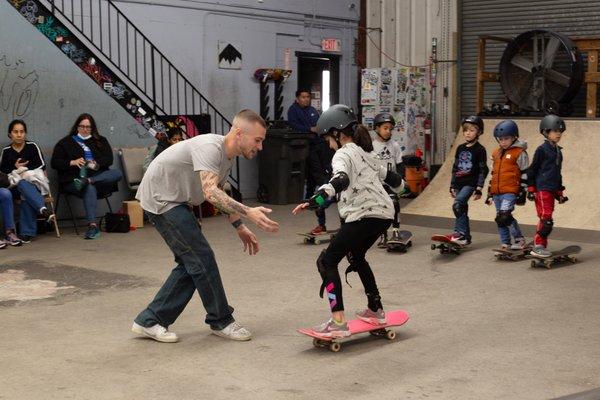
x=156, y=332
x=234, y=331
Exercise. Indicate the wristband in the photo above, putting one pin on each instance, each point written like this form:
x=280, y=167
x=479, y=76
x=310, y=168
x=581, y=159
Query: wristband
x=236, y=224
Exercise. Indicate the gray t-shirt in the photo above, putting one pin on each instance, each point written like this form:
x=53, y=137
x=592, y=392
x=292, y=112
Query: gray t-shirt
x=173, y=177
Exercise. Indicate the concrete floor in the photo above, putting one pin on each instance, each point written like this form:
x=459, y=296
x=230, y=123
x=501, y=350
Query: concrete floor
x=479, y=328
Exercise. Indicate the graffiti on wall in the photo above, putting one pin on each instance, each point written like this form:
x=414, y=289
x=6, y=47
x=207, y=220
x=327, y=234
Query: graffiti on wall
x=19, y=87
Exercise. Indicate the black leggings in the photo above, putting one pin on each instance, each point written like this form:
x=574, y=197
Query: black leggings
x=352, y=240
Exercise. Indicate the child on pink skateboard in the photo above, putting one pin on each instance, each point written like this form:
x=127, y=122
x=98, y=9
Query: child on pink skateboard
x=365, y=208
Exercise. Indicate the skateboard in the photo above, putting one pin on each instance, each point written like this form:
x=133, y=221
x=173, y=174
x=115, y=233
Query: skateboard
x=512, y=255
x=445, y=245
x=318, y=239
x=559, y=256
x=356, y=326
x=402, y=245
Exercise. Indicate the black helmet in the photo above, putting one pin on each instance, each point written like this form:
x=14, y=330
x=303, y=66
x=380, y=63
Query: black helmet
x=382, y=118
x=338, y=117
x=475, y=120
x=506, y=128
x=552, y=122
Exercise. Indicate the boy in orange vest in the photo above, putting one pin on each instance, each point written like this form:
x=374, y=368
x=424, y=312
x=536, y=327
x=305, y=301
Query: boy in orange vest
x=508, y=185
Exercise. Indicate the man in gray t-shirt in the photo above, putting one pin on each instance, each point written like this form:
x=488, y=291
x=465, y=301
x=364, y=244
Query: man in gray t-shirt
x=187, y=173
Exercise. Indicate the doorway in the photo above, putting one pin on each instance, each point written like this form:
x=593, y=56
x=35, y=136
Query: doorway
x=320, y=73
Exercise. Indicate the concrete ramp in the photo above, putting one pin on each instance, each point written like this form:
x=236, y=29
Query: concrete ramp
x=581, y=177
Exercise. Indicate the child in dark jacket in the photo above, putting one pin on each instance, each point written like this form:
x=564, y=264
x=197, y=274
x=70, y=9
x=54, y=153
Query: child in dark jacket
x=507, y=186
x=545, y=180
x=468, y=177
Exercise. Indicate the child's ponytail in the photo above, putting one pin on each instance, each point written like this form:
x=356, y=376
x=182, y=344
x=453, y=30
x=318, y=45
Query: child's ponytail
x=362, y=138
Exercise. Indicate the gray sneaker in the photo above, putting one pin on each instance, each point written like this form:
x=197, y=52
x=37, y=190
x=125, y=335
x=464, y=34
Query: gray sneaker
x=520, y=244
x=234, y=331
x=540, y=251
x=372, y=317
x=331, y=329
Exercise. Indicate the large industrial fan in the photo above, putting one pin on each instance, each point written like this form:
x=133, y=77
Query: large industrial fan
x=541, y=71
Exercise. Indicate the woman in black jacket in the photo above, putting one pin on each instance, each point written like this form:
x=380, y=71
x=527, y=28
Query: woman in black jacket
x=82, y=159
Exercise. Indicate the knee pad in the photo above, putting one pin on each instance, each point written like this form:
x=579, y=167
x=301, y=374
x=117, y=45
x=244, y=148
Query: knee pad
x=460, y=209
x=504, y=219
x=546, y=228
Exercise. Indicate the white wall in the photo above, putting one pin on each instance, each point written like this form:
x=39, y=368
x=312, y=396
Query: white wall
x=187, y=32
x=403, y=29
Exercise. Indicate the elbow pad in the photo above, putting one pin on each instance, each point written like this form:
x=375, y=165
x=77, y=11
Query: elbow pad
x=394, y=181
x=340, y=182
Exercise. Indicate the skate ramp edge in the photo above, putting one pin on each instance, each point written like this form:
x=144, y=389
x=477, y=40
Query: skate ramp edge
x=580, y=171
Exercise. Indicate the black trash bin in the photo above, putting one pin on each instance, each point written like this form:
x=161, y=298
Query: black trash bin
x=282, y=165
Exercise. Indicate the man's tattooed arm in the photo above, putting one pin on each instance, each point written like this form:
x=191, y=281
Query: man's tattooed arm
x=217, y=197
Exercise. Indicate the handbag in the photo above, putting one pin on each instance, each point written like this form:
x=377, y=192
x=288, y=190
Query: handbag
x=112, y=222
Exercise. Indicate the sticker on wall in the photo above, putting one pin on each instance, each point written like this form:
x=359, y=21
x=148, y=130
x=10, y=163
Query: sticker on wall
x=229, y=55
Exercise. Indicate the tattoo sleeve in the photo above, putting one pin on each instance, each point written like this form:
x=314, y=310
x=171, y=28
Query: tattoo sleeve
x=218, y=197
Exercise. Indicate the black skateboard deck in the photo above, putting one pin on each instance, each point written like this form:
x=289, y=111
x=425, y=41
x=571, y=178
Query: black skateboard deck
x=559, y=256
x=324, y=237
x=512, y=255
x=403, y=244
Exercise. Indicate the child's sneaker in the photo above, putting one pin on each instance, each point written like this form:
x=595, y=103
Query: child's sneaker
x=332, y=329
x=156, y=332
x=234, y=331
x=12, y=239
x=540, y=251
x=3, y=244
x=318, y=230
x=372, y=317
x=459, y=239
x=520, y=244
x=505, y=246
x=92, y=233
x=382, y=242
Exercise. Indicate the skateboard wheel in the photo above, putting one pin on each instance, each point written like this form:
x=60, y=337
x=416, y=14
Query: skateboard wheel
x=573, y=260
x=335, y=347
x=409, y=243
x=533, y=264
x=316, y=342
x=317, y=241
x=433, y=247
x=306, y=241
x=391, y=335
x=548, y=264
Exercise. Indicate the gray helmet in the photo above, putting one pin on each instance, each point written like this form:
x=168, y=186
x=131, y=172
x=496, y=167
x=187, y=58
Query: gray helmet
x=338, y=117
x=552, y=122
x=475, y=120
x=382, y=118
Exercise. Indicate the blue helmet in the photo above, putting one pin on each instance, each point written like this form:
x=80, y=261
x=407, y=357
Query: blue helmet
x=506, y=128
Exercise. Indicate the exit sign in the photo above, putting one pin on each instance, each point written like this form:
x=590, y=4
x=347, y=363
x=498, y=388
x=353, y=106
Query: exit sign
x=331, y=45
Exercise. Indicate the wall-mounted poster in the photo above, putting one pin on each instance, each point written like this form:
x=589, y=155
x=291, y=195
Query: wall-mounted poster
x=230, y=55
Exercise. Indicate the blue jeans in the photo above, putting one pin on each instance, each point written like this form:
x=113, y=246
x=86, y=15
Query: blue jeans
x=196, y=270
x=30, y=207
x=506, y=202
x=90, y=194
x=6, y=207
x=461, y=225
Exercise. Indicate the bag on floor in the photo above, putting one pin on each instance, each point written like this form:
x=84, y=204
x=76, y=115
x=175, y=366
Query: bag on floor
x=115, y=223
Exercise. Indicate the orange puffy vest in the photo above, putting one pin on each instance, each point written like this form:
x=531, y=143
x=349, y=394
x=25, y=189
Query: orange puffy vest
x=506, y=175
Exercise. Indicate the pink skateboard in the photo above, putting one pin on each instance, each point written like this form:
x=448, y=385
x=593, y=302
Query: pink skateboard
x=394, y=318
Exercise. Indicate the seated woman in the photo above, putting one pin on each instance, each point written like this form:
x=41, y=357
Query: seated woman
x=22, y=155
x=174, y=135
x=6, y=210
x=82, y=159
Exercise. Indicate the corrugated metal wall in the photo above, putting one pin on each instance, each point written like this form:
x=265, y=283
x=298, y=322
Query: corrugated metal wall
x=508, y=18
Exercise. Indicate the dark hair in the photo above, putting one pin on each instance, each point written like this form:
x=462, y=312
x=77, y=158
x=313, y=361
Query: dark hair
x=360, y=135
x=16, y=122
x=95, y=134
x=302, y=90
x=175, y=131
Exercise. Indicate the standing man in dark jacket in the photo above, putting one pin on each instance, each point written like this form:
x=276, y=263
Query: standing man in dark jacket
x=302, y=117
x=544, y=180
